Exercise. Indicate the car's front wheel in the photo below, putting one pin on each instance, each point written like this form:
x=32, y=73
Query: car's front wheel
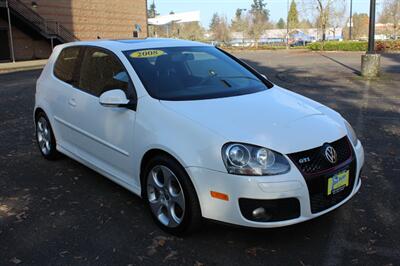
x=45, y=137
x=171, y=196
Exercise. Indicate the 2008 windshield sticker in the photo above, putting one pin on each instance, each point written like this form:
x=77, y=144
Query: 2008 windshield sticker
x=147, y=53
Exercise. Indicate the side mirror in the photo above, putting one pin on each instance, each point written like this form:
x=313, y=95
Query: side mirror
x=114, y=98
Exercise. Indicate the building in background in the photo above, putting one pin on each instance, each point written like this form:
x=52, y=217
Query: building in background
x=163, y=26
x=278, y=36
x=39, y=25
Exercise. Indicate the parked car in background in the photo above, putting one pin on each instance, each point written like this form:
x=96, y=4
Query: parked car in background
x=299, y=43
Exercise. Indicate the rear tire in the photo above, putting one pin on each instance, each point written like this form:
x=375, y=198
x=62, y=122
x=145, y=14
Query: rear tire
x=45, y=137
x=170, y=196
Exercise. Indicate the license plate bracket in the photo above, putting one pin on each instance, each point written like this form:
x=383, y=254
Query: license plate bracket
x=338, y=182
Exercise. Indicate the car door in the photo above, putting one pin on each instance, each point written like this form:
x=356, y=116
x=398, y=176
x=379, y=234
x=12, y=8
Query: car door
x=59, y=93
x=103, y=136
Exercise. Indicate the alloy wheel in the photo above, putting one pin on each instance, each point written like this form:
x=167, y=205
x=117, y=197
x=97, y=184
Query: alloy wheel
x=43, y=135
x=165, y=195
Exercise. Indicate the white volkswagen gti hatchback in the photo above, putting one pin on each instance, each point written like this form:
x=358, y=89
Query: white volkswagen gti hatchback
x=196, y=132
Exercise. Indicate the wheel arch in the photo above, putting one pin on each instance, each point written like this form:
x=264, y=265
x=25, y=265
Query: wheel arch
x=39, y=109
x=148, y=155
x=36, y=113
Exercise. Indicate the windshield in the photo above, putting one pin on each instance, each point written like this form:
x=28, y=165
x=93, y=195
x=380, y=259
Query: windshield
x=192, y=73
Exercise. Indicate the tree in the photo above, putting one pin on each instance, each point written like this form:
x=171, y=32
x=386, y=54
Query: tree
x=258, y=20
x=219, y=28
x=215, y=21
x=325, y=10
x=305, y=24
x=359, y=26
x=152, y=12
x=238, y=24
x=281, y=24
x=293, y=16
x=337, y=17
x=391, y=14
x=191, y=31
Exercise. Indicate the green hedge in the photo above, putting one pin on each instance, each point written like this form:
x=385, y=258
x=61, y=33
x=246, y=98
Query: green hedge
x=338, y=46
x=381, y=46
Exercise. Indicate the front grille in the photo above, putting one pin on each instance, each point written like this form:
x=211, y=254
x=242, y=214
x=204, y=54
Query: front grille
x=275, y=210
x=317, y=187
x=316, y=170
x=313, y=161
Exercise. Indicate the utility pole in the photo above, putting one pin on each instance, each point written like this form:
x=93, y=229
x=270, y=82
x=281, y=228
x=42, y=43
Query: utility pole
x=351, y=20
x=10, y=33
x=371, y=34
x=370, y=62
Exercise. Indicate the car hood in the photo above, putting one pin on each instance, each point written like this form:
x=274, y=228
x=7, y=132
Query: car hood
x=276, y=118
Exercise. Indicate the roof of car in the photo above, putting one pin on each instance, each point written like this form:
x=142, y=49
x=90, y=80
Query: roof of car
x=132, y=44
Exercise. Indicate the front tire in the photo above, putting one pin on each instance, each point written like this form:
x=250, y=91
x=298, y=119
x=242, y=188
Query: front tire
x=45, y=137
x=171, y=197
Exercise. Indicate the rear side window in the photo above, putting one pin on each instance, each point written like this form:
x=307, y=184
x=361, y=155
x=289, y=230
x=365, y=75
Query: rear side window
x=102, y=71
x=66, y=64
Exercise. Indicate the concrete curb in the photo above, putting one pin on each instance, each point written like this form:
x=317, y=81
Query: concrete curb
x=22, y=66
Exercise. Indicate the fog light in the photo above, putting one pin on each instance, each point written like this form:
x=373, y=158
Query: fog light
x=260, y=214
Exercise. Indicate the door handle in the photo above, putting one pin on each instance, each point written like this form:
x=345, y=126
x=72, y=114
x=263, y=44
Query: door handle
x=72, y=102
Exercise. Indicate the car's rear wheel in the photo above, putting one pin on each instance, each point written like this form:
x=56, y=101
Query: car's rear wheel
x=171, y=196
x=45, y=137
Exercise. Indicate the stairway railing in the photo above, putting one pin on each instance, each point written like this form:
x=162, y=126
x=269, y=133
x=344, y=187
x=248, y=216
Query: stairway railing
x=50, y=28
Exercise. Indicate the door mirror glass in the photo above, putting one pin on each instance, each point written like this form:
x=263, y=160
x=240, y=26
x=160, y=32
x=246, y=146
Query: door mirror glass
x=114, y=98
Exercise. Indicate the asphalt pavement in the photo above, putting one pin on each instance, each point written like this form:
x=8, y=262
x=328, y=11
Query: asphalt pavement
x=62, y=213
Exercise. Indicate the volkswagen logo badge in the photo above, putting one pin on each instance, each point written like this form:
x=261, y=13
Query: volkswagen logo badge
x=330, y=154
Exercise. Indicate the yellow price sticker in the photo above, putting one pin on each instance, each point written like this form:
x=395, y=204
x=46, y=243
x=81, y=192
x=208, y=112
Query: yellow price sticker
x=147, y=53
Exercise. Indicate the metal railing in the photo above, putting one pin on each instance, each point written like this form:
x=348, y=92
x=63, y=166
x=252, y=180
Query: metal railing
x=50, y=28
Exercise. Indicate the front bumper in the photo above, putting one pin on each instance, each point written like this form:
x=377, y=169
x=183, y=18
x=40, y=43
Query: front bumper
x=289, y=185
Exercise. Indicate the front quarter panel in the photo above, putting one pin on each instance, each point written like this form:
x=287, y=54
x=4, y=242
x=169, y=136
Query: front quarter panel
x=158, y=127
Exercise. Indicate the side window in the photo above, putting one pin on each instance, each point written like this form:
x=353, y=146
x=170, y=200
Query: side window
x=66, y=63
x=102, y=71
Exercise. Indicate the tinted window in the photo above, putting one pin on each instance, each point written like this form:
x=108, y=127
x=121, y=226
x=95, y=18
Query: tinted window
x=101, y=71
x=189, y=73
x=66, y=63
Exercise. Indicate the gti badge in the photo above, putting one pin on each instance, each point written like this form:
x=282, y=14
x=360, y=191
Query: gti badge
x=330, y=154
x=304, y=160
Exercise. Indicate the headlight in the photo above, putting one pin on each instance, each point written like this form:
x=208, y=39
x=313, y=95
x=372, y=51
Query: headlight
x=244, y=159
x=351, y=133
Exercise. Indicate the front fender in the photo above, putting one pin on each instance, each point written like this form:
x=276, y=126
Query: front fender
x=193, y=145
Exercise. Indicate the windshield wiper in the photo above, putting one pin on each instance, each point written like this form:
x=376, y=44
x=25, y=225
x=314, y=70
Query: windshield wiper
x=239, y=77
x=226, y=83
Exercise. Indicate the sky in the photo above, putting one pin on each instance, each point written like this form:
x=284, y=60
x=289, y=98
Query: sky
x=277, y=8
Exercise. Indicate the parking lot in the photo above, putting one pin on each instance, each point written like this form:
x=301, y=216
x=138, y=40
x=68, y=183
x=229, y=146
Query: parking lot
x=61, y=212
